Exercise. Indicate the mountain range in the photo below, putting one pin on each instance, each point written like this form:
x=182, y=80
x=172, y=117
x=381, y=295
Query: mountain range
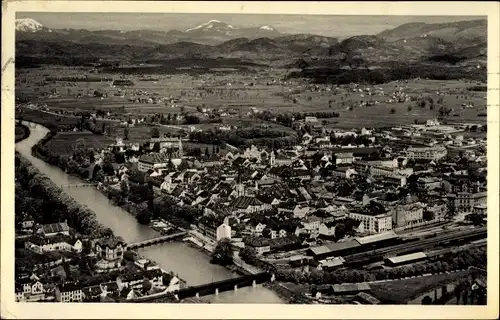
x=449, y=42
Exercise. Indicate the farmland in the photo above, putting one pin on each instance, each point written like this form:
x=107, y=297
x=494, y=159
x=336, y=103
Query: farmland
x=358, y=105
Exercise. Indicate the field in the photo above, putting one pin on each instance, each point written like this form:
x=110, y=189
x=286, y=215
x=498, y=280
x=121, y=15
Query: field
x=402, y=291
x=264, y=90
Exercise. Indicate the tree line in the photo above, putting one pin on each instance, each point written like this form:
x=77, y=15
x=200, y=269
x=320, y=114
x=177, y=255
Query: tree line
x=48, y=203
x=453, y=261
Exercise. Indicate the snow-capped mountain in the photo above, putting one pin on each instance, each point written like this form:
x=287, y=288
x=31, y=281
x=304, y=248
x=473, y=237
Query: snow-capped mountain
x=212, y=25
x=219, y=28
x=28, y=25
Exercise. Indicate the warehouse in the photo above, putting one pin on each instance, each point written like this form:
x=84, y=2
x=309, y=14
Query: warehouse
x=406, y=259
x=378, y=240
x=334, y=249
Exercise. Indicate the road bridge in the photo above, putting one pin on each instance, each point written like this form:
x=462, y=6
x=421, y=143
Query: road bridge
x=150, y=242
x=78, y=185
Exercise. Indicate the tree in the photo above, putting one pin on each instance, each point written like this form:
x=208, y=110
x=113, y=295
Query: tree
x=155, y=133
x=393, y=111
x=207, y=153
x=427, y=300
x=146, y=285
x=125, y=133
x=475, y=219
x=266, y=233
x=124, y=189
x=249, y=255
x=223, y=254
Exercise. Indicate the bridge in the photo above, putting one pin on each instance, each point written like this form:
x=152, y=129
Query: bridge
x=213, y=287
x=150, y=242
x=79, y=185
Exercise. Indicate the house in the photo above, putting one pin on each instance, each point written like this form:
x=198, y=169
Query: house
x=92, y=293
x=344, y=158
x=70, y=292
x=109, y=288
x=244, y=204
x=27, y=223
x=53, y=229
x=327, y=229
x=40, y=244
x=261, y=245
x=155, y=276
x=373, y=222
x=311, y=119
x=110, y=252
x=153, y=161
x=344, y=172
x=311, y=225
x=130, y=280
x=429, y=183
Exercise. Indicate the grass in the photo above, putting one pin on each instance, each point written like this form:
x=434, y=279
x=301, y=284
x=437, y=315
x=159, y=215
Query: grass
x=402, y=291
x=234, y=91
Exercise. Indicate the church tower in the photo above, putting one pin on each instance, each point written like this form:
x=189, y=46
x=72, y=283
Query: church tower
x=240, y=188
x=272, y=159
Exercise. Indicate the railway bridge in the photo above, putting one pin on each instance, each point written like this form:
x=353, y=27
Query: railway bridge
x=214, y=287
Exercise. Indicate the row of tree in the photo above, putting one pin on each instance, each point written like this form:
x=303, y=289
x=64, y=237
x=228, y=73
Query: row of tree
x=56, y=204
x=455, y=261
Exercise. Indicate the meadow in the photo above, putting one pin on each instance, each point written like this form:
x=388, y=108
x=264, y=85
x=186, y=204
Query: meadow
x=264, y=90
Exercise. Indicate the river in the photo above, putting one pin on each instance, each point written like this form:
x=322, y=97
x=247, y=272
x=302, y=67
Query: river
x=190, y=264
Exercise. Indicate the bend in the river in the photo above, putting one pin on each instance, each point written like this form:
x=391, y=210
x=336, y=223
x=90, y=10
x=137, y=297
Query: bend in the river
x=190, y=264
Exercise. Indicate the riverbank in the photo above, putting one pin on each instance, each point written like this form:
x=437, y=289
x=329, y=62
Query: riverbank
x=21, y=132
x=189, y=263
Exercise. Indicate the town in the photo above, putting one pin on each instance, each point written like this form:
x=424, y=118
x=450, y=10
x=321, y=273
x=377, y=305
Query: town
x=371, y=199
x=203, y=175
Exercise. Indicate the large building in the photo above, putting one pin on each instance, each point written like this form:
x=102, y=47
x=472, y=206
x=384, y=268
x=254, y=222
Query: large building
x=167, y=143
x=373, y=223
x=153, y=161
x=408, y=215
x=427, y=153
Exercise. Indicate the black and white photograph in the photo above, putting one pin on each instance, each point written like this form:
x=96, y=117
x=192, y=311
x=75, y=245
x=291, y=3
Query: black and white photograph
x=244, y=158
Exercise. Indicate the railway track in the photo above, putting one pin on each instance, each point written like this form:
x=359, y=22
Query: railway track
x=416, y=245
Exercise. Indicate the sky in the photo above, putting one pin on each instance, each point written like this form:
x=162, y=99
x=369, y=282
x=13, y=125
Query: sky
x=331, y=25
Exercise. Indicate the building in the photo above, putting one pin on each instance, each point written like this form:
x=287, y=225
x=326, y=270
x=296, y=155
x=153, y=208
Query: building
x=223, y=231
x=333, y=249
x=406, y=259
x=167, y=144
x=429, y=183
x=53, y=229
x=373, y=223
x=70, y=292
x=344, y=158
x=109, y=251
x=408, y=215
x=466, y=201
x=153, y=161
x=311, y=119
x=56, y=243
x=427, y=153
